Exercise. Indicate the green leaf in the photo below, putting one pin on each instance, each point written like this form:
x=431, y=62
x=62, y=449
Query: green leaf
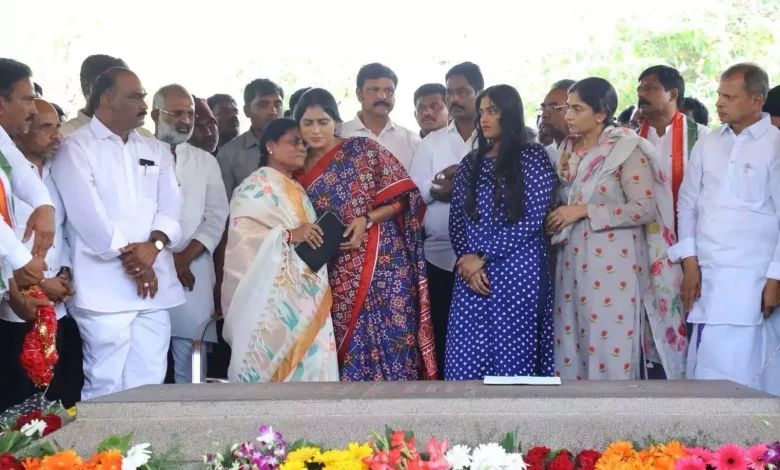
x=13, y=441
x=508, y=443
x=120, y=443
x=301, y=443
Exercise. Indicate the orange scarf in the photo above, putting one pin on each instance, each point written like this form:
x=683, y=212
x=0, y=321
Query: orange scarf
x=678, y=154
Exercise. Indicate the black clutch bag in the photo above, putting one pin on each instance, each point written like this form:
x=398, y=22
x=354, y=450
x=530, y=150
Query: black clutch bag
x=333, y=235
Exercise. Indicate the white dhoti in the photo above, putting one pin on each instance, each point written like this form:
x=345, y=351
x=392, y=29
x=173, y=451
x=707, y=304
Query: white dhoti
x=122, y=350
x=748, y=355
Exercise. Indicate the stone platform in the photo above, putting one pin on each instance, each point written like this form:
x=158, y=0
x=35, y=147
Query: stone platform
x=206, y=417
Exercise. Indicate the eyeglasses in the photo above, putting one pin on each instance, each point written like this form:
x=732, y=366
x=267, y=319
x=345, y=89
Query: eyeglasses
x=180, y=114
x=552, y=108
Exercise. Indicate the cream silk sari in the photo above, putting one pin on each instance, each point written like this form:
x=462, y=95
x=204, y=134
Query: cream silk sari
x=277, y=318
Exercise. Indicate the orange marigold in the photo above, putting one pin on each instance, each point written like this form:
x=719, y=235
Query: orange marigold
x=673, y=449
x=65, y=460
x=609, y=462
x=31, y=464
x=108, y=460
x=623, y=449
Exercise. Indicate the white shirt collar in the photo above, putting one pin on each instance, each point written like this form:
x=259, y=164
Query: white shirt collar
x=756, y=130
x=102, y=132
x=360, y=126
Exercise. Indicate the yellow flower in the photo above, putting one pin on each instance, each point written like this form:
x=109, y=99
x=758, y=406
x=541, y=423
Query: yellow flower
x=623, y=449
x=65, y=460
x=673, y=449
x=359, y=452
x=304, y=454
x=293, y=465
x=333, y=456
x=609, y=462
x=345, y=465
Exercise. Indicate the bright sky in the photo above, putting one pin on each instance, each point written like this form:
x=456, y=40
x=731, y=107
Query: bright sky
x=220, y=46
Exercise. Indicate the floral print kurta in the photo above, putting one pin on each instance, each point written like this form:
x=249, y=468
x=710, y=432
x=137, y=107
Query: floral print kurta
x=601, y=272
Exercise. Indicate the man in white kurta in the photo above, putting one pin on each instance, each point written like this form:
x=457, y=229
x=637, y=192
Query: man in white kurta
x=204, y=210
x=729, y=231
x=121, y=196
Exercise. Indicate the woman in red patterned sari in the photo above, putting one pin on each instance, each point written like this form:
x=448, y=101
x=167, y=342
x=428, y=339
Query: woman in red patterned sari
x=381, y=313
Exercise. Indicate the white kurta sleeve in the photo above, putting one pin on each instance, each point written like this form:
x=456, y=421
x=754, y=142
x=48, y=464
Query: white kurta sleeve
x=421, y=171
x=773, y=272
x=75, y=181
x=687, y=212
x=26, y=183
x=12, y=250
x=216, y=212
x=166, y=220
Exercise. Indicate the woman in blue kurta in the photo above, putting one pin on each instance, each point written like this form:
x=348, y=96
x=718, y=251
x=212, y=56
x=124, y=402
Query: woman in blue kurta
x=501, y=317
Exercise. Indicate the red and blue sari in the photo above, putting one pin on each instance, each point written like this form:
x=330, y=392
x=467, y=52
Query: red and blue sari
x=381, y=305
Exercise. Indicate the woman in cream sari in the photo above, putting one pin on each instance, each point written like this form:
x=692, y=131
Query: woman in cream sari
x=277, y=311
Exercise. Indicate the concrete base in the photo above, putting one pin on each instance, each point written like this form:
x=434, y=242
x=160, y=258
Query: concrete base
x=205, y=418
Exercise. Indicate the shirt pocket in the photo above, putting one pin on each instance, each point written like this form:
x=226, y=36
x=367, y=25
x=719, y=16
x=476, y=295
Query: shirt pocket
x=749, y=183
x=148, y=177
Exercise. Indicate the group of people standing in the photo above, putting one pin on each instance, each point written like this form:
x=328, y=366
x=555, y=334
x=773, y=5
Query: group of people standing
x=470, y=248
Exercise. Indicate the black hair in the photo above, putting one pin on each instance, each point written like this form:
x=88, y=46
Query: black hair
x=471, y=72
x=429, y=89
x=11, y=72
x=624, y=118
x=509, y=165
x=564, y=84
x=94, y=66
x=317, y=97
x=105, y=83
x=277, y=129
x=38, y=90
x=214, y=100
x=60, y=112
x=261, y=87
x=294, y=100
x=700, y=113
x=670, y=79
x=600, y=95
x=772, y=103
x=374, y=71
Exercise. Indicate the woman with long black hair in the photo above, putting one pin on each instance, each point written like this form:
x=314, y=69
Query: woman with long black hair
x=501, y=316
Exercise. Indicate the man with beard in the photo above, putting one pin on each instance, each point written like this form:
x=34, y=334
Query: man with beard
x=376, y=86
x=263, y=102
x=23, y=265
x=205, y=134
x=92, y=67
x=433, y=171
x=430, y=109
x=204, y=211
x=225, y=111
x=39, y=145
x=122, y=200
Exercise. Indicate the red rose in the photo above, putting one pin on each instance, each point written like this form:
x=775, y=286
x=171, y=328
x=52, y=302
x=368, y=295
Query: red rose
x=53, y=421
x=535, y=466
x=29, y=417
x=9, y=462
x=537, y=456
x=587, y=459
x=561, y=462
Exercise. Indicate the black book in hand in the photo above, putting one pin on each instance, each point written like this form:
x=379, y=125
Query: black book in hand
x=333, y=235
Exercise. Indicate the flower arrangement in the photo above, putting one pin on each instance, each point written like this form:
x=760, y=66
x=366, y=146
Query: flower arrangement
x=39, y=348
x=397, y=450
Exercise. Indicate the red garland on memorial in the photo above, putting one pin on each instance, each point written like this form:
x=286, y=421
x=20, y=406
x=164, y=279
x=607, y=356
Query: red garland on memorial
x=39, y=350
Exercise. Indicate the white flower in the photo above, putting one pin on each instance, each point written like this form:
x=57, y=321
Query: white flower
x=136, y=457
x=514, y=462
x=458, y=457
x=34, y=427
x=488, y=457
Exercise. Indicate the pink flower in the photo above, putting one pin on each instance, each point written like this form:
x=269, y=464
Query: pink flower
x=730, y=457
x=663, y=304
x=704, y=454
x=668, y=237
x=671, y=336
x=754, y=456
x=656, y=268
x=436, y=450
x=690, y=463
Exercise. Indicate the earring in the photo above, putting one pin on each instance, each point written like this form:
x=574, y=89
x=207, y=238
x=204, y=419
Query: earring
x=271, y=153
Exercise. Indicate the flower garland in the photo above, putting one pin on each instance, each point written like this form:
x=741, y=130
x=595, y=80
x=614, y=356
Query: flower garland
x=39, y=349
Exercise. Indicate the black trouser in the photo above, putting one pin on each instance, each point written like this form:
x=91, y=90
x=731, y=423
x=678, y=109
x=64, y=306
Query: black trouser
x=440, y=284
x=16, y=387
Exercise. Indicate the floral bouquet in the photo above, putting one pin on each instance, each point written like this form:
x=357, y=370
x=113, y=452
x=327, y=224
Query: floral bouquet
x=266, y=452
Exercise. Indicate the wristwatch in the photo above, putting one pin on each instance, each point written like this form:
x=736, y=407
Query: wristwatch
x=482, y=256
x=369, y=222
x=157, y=244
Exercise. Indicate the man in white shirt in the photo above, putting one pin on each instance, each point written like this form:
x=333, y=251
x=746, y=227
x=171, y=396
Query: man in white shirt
x=17, y=109
x=376, y=85
x=728, y=211
x=39, y=145
x=91, y=69
x=433, y=170
x=430, y=108
x=121, y=195
x=205, y=135
x=204, y=211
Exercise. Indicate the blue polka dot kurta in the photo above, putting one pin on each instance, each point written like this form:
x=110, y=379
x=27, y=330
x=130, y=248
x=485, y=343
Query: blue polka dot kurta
x=509, y=332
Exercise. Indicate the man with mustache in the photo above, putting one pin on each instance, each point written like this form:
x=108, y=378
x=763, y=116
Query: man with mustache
x=204, y=211
x=122, y=200
x=263, y=102
x=430, y=108
x=552, y=112
x=22, y=265
x=376, y=85
x=728, y=213
x=39, y=146
x=433, y=171
x=205, y=133
x=92, y=67
x=225, y=111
